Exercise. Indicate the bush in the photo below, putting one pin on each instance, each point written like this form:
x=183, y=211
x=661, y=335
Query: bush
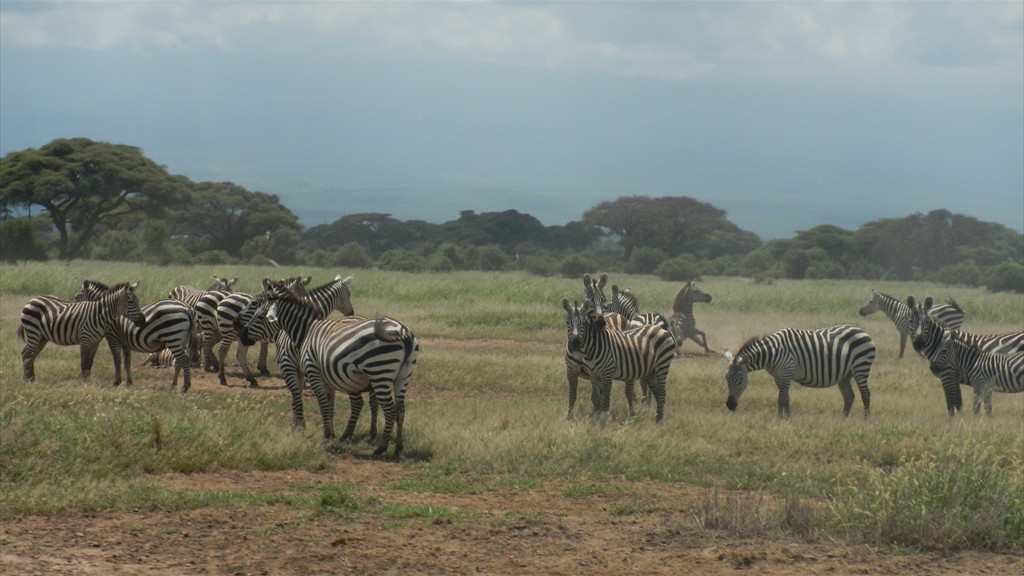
x=440, y=263
x=401, y=260
x=492, y=259
x=352, y=255
x=679, y=269
x=574, y=266
x=966, y=273
x=18, y=241
x=645, y=260
x=1006, y=277
x=540, y=264
x=117, y=246
x=214, y=257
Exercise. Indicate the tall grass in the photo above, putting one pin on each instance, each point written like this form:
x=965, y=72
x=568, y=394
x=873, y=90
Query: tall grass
x=492, y=411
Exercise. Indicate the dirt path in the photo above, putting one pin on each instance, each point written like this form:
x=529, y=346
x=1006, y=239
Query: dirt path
x=506, y=531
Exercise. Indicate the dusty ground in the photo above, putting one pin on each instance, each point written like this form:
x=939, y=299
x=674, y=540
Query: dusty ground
x=506, y=531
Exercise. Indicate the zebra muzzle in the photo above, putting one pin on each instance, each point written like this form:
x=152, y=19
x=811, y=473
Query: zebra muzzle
x=731, y=403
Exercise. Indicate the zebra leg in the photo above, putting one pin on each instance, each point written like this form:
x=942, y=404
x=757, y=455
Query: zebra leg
x=865, y=396
x=645, y=390
x=325, y=398
x=951, y=388
x=261, y=364
x=399, y=420
x=606, y=394
x=374, y=408
x=656, y=382
x=355, y=401
x=783, y=399
x=28, y=358
x=703, y=340
x=88, y=351
x=390, y=417
x=222, y=354
x=846, y=389
x=242, y=356
x=573, y=384
x=115, y=353
x=977, y=400
x=182, y=362
x=294, y=383
x=903, y=343
x=988, y=400
x=210, y=359
x=128, y=366
x=631, y=395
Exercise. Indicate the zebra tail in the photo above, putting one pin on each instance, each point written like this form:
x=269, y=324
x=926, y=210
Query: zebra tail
x=953, y=303
x=382, y=332
x=20, y=332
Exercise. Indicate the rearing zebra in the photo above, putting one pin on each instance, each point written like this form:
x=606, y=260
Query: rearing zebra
x=683, y=324
x=813, y=358
x=169, y=326
x=984, y=371
x=46, y=318
x=642, y=354
x=927, y=341
x=349, y=357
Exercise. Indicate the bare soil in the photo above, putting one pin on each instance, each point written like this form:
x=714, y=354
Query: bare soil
x=505, y=531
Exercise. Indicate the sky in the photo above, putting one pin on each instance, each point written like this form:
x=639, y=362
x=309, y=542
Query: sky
x=787, y=115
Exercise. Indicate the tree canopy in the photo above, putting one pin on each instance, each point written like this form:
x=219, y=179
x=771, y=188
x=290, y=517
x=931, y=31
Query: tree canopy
x=81, y=184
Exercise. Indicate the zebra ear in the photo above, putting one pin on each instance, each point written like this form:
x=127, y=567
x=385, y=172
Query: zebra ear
x=267, y=284
x=346, y=281
x=565, y=304
x=603, y=281
x=134, y=285
x=728, y=356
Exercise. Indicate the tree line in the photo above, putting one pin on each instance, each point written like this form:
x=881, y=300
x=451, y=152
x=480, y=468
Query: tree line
x=78, y=198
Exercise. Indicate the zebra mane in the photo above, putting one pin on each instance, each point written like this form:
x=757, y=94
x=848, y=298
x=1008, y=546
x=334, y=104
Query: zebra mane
x=120, y=286
x=750, y=342
x=954, y=305
x=885, y=296
x=95, y=284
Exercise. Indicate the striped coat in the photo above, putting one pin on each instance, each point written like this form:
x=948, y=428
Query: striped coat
x=812, y=358
x=641, y=354
x=49, y=319
x=983, y=371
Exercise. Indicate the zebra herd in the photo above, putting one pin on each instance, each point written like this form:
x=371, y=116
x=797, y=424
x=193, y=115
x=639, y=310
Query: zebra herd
x=349, y=354
x=610, y=340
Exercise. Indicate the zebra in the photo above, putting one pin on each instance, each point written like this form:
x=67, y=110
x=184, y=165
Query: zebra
x=348, y=356
x=576, y=364
x=903, y=315
x=984, y=371
x=334, y=295
x=814, y=358
x=927, y=341
x=623, y=302
x=169, y=325
x=682, y=323
x=642, y=354
x=228, y=311
x=190, y=296
x=206, y=317
x=47, y=318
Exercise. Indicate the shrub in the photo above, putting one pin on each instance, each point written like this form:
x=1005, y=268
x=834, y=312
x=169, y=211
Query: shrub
x=679, y=269
x=492, y=259
x=966, y=273
x=401, y=260
x=18, y=241
x=214, y=257
x=1006, y=277
x=574, y=266
x=645, y=260
x=117, y=246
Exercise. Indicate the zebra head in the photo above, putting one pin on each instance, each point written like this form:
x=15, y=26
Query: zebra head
x=579, y=320
x=132, y=309
x=736, y=378
x=687, y=295
x=872, y=306
x=593, y=289
x=253, y=324
x=222, y=284
x=926, y=335
x=698, y=295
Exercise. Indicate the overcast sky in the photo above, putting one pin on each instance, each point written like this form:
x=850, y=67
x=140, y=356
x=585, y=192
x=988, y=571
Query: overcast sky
x=785, y=115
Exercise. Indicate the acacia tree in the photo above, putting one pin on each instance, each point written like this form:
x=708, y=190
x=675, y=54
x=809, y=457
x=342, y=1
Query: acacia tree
x=82, y=184
x=675, y=224
x=226, y=216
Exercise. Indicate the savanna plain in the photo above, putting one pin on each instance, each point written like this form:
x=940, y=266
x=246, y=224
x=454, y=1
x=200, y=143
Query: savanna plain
x=143, y=479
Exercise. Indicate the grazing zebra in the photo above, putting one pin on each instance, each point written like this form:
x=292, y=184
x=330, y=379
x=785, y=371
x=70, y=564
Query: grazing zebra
x=927, y=341
x=683, y=324
x=169, y=325
x=46, y=318
x=984, y=371
x=642, y=354
x=348, y=356
x=904, y=315
x=331, y=296
x=813, y=358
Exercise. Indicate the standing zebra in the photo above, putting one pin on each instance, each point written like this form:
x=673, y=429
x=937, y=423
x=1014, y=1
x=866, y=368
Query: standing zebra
x=46, y=318
x=813, y=358
x=642, y=354
x=228, y=311
x=205, y=331
x=169, y=326
x=334, y=295
x=903, y=314
x=348, y=356
x=623, y=302
x=576, y=364
x=927, y=341
x=983, y=371
x=683, y=324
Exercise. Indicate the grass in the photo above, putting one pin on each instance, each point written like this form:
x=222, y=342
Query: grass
x=490, y=415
